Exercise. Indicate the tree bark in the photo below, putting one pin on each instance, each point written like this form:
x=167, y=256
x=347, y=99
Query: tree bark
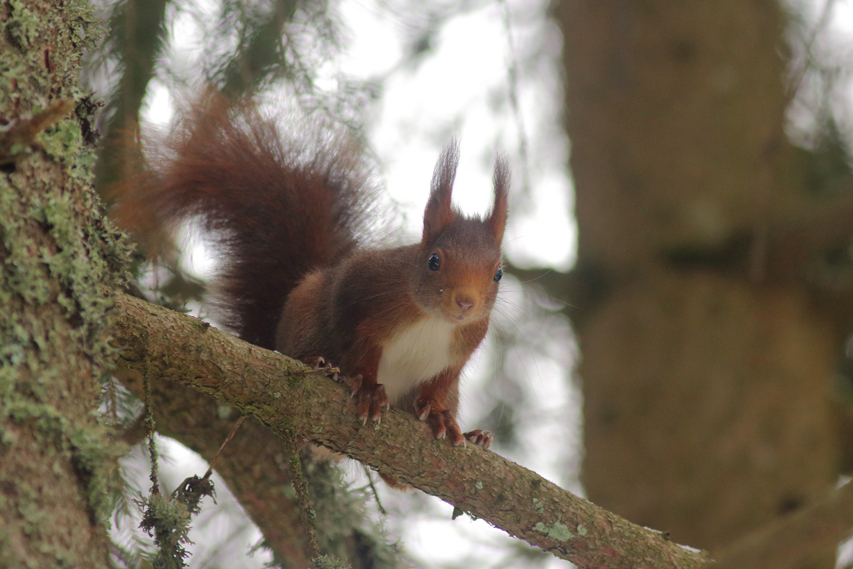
x=57, y=255
x=254, y=465
x=281, y=395
x=707, y=384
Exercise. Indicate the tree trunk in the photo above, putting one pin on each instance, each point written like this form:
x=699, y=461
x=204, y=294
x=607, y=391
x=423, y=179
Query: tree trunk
x=56, y=256
x=707, y=384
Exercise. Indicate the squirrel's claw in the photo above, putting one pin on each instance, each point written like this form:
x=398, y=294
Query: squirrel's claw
x=424, y=412
x=441, y=422
x=321, y=367
x=370, y=398
x=479, y=438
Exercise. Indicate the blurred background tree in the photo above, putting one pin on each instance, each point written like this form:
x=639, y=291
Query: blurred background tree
x=715, y=239
x=711, y=291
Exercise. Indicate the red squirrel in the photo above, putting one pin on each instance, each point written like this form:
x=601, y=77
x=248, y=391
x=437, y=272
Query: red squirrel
x=400, y=323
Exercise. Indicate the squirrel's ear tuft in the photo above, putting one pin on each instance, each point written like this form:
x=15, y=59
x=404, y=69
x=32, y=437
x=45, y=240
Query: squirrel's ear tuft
x=439, y=213
x=497, y=218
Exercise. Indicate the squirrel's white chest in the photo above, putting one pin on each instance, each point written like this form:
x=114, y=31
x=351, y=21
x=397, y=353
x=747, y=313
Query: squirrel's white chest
x=413, y=355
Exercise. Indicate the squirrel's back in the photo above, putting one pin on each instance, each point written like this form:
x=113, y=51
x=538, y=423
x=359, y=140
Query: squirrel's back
x=280, y=204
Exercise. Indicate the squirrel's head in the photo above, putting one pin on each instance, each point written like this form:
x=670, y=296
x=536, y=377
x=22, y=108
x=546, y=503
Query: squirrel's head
x=460, y=257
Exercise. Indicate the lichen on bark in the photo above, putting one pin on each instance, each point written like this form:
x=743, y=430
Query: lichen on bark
x=59, y=263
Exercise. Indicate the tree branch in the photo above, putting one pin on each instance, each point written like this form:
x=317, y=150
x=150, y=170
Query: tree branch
x=195, y=420
x=254, y=465
x=284, y=396
x=791, y=541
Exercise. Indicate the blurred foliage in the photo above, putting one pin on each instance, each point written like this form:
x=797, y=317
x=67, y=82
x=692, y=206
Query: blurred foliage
x=828, y=171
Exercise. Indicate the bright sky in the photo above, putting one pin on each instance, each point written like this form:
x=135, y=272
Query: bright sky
x=453, y=92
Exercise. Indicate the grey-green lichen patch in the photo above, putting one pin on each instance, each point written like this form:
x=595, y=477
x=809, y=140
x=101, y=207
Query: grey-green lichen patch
x=167, y=519
x=340, y=506
x=60, y=261
x=329, y=562
x=478, y=485
x=224, y=411
x=87, y=28
x=75, y=264
x=63, y=140
x=32, y=33
x=581, y=529
x=23, y=27
x=558, y=531
x=538, y=506
x=10, y=73
x=97, y=464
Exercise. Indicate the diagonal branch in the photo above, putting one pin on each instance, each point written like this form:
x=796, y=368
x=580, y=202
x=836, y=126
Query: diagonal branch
x=791, y=541
x=281, y=395
x=254, y=465
x=196, y=421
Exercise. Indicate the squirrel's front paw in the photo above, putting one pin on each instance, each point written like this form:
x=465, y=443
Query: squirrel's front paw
x=479, y=438
x=370, y=398
x=442, y=423
x=321, y=367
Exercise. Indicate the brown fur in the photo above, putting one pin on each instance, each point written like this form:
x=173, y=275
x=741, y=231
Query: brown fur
x=278, y=209
x=295, y=279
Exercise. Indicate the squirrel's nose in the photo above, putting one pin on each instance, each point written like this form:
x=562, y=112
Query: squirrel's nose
x=464, y=303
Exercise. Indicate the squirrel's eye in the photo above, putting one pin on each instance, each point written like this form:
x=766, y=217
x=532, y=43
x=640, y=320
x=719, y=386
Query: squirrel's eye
x=498, y=274
x=434, y=262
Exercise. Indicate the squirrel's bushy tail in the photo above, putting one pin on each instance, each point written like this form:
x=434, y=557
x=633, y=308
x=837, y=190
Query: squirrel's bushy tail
x=278, y=204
